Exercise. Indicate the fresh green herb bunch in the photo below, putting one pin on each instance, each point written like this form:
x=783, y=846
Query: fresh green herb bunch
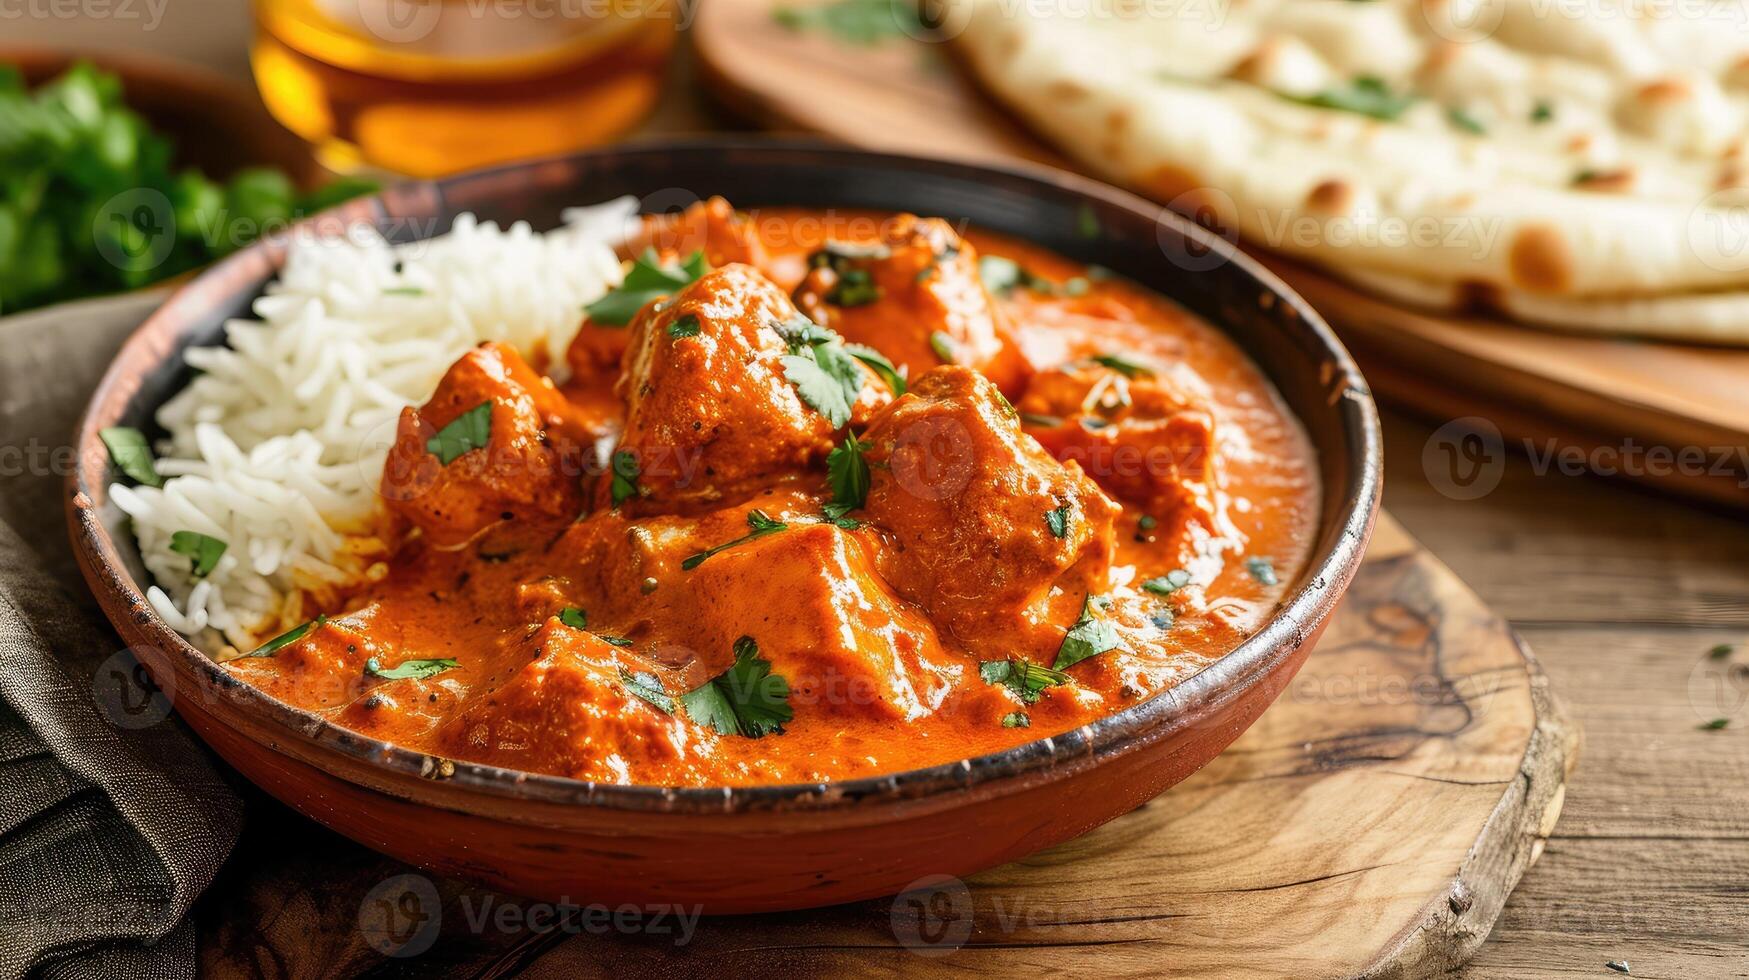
x=90, y=204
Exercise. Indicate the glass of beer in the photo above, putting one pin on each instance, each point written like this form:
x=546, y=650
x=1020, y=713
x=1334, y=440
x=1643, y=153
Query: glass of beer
x=430, y=87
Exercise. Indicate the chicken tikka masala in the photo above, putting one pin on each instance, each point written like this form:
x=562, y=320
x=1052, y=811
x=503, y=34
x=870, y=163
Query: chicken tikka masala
x=824, y=495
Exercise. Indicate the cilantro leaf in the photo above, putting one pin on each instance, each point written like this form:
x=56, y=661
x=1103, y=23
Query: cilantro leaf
x=614, y=641
x=131, y=454
x=204, y=551
x=880, y=365
x=1001, y=275
x=1016, y=719
x=647, y=687
x=761, y=524
x=1168, y=583
x=1089, y=637
x=942, y=345
x=847, y=473
x=469, y=430
x=685, y=325
x=625, y=477
x=287, y=638
x=854, y=288
x=1123, y=365
x=1026, y=679
x=1058, y=521
x=408, y=669
x=574, y=617
x=747, y=699
x=1463, y=120
x=648, y=279
x=1367, y=95
x=1262, y=569
x=860, y=22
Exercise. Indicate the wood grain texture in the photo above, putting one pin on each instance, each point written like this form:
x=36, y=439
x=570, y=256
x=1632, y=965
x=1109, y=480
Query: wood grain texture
x=1371, y=824
x=907, y=95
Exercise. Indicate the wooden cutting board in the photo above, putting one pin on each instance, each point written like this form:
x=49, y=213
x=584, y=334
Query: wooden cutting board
x=1597, y=395
x=1370, y=824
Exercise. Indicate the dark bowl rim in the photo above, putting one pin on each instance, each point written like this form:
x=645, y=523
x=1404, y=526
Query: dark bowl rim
x=1292, y=622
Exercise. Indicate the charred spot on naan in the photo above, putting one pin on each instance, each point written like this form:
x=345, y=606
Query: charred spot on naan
x=1540, y=260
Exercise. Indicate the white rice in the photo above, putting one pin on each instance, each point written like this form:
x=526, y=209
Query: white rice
x=277, y=446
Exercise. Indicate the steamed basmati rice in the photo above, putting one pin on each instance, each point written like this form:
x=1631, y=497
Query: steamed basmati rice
x=277, y=446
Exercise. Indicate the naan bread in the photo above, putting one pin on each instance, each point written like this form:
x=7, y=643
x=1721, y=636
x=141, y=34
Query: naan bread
x=1579, y=165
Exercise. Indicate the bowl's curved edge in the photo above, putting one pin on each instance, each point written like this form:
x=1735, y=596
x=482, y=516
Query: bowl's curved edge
x=1196, y=698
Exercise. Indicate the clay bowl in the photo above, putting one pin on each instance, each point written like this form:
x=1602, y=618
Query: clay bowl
x=770, y=847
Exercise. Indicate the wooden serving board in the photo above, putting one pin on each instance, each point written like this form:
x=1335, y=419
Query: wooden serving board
x=1370, y=824
x=908, y=95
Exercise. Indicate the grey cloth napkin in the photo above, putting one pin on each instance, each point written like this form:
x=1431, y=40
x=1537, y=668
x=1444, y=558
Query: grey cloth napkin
x=112, y=818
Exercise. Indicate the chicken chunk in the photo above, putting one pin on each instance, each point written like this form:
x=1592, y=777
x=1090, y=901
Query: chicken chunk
x=495, y=443
x=989, y=533
x=1144, y=438
x=915, y=296
x=710, y=226
x=569, y=711
x=811, y=598
x=713, y=402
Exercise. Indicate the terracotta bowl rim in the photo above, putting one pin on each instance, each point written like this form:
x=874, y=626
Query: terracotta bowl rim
x=1295, y=619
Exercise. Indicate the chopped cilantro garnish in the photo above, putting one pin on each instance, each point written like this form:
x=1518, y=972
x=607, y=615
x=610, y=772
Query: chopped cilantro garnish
x=625, y=477
x=747, y=699
x=847, y=473
x=131, y=454
x=1026, y=679
x=1717, y=724
x=761, y=523
x=469, y=430
x=1721, y=652
x=825, y=373
x=646, y=280
x=1367, y=95
x=1001, y=275
x=685, y=325
x=1089, y=637
x=1464, y=121
x=404, y=291
x=1123, y=365
x=1058, y=521
x=1016, y=719
x=1168, y=583
x=1262, y=569
x=1543, y=111
x=942, y=345
x=879, y=364
x=287, y=638
x=613, y=641
x=414, y=669
x=574, y=617
x=202, y=550
x=647, y=687
x=855, y=287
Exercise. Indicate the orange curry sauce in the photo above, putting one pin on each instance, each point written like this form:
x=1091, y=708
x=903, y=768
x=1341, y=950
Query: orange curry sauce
x=1071, y=436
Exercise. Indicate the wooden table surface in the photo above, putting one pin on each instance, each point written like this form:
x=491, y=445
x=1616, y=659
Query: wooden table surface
x=1620, y=592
